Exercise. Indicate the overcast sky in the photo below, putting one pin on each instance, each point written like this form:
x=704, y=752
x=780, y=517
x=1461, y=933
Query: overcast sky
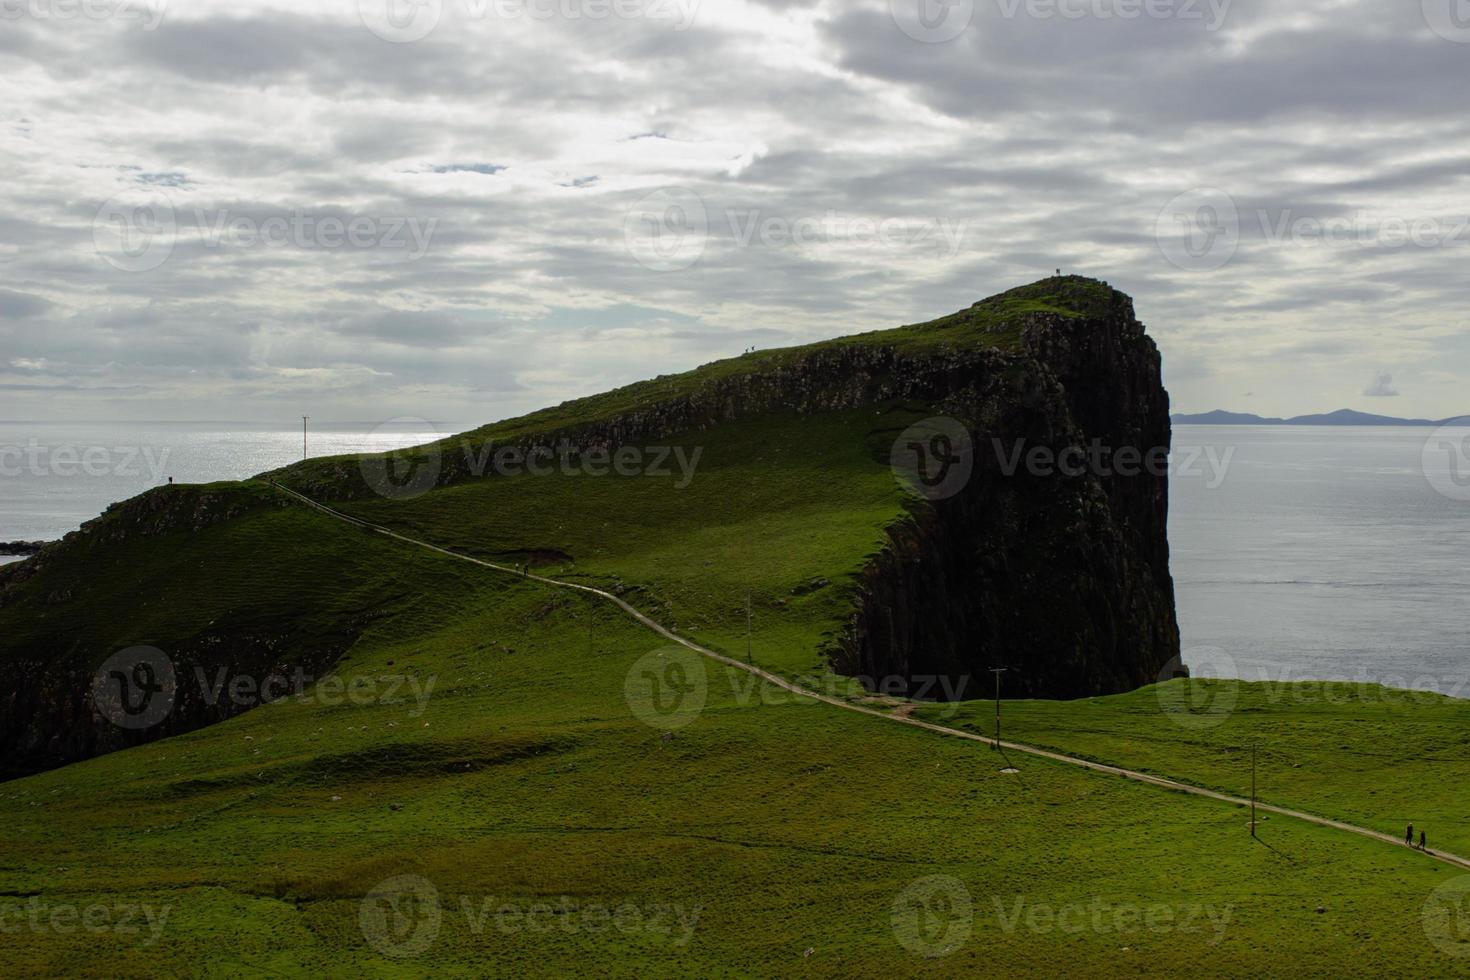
x=466, y=209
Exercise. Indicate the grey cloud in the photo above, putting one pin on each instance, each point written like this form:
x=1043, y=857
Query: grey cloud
x=1057, y=144
x=1382, y=387
x=15, y=306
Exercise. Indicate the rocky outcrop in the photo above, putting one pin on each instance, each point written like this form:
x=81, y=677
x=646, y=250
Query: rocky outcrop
x=1060, y=572
x=1052, y=560
x=49, y=716
x=21, y=548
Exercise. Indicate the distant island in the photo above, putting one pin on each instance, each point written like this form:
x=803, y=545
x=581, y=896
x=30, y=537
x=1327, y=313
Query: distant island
x=1345, y=416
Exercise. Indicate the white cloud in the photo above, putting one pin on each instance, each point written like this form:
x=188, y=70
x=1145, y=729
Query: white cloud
x=527, y=140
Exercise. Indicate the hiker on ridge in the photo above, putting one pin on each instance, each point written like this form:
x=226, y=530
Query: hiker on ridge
x=1409, y=836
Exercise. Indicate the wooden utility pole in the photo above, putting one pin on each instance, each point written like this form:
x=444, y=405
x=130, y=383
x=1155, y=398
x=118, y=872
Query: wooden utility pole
x=749, y=654
x=997, y=671
x=590, y=647
x=1253, y=789
x=303, y=435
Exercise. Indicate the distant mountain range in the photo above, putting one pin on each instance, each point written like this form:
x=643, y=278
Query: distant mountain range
x=1345, y=416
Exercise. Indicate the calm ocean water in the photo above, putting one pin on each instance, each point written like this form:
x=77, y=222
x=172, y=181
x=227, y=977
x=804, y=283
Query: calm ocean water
x=1298, y=553
x=55, y=475
x=1325, y=554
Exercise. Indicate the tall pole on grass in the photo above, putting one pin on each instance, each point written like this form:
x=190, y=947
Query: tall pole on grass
x=1253, y=789
x=750, y=651
x=749, y=654
x=303, y=435
x=997, y=671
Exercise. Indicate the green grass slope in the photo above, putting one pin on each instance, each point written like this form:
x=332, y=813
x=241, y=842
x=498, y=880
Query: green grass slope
x=267, y=565
x=1374, y=756
x=499, y=777
x=785, y=509
x=530, y=785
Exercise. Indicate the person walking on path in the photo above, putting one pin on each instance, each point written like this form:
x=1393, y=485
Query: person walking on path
x=1422, y=845
x=1409, y=836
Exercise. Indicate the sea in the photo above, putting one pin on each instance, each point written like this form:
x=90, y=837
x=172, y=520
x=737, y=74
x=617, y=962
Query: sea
x=1298, y=552
x=1324, y=553
x=55, y=475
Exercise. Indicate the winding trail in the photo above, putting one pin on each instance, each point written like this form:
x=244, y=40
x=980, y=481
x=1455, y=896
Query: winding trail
x=781, y=682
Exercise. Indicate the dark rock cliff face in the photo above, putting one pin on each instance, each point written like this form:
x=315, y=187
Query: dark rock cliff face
x=1057, y=570
x=49, y=718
